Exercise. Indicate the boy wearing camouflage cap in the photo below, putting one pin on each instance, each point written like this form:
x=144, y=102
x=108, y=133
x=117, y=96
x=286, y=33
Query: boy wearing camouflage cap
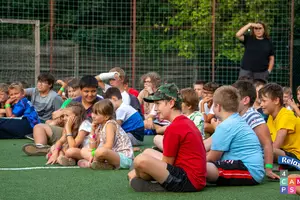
x=182, y=166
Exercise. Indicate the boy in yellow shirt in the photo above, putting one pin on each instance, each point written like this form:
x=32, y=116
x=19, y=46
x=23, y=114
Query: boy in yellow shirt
x=284, y=126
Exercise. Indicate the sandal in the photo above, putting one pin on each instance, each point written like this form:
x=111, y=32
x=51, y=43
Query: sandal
x=102, y=165
x=64, y=161
x=35, y=150
x=83, y=163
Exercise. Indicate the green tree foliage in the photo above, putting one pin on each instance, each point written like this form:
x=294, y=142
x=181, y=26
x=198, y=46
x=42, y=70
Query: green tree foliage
x=230, y=16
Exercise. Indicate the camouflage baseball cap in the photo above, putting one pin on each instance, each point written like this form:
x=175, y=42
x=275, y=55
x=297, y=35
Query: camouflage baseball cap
x=165, y=92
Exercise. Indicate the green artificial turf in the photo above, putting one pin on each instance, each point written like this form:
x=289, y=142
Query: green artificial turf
x=89, y=184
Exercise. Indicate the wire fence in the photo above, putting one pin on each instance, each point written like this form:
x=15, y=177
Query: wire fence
x=182, y=40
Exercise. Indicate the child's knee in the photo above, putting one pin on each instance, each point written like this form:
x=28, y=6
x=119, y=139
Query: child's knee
x=101, y=153
x=140, y=162
x=70, y=152
x=157, y=139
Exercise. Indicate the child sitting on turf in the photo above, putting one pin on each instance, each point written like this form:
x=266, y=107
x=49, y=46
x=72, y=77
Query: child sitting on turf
x=258, y=84
x=44, y=134
x=198, y=87
x=190, y=101
x=129, y=119
x=205, y=105
x=17, y=106
x=3, y=98
x=293, y=105
x=43, y=98
x=284, y=126
x=73, y=91
x=74, y=114
x=256, y=122
x=287, y=95
x=235, y=157
x=109, y=146
x=181, y=167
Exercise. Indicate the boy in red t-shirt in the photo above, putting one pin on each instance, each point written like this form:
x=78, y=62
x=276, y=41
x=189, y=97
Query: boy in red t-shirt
x=182, y=166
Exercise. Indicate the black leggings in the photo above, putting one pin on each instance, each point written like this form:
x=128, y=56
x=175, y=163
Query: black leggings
x=14, y=128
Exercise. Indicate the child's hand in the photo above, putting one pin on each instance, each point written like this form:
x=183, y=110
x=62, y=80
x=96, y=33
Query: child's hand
x=94, y=126
x=148, y=89
x=116, y=76
x=215, y=122
x=207, y=99
x=270, y=174
x=70, y=123
x=53, y=159
x=60, y=82
x=10, y=100
x=292, y=103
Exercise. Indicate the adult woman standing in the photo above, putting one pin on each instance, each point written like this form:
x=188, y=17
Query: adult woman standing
x=258, y=59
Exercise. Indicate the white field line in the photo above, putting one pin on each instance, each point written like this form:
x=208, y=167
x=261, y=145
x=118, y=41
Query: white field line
x=35, y=168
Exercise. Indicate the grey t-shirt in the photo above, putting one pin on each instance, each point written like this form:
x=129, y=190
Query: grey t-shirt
x=44, y=105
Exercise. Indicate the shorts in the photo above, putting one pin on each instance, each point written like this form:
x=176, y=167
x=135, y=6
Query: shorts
x=289, y=167
x=233, y=173
x=56, y=134
x=134, y=141
x=125, y=162
x=177, y=181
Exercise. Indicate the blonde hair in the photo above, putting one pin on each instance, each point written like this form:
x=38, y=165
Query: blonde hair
x=227, y=97
x=287, y=90
x=4, y=88
x=104, y=107
x=17, y=86
x=80, y=113
x=120, y=71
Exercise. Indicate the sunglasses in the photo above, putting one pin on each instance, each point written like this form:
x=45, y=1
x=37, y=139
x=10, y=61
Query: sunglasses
x=258, y=28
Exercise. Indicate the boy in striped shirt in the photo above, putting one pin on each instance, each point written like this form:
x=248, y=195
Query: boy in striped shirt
x=247, y=92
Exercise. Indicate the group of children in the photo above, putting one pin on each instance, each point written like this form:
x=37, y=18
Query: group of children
x=224, y=135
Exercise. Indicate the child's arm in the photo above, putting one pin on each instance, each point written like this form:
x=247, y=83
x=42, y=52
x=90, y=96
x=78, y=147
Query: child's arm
x=120, y=122
x=69, y=134
x=280, y=137
x=62, y=88
x=265, y=140
x=8, y=109
x=169, y=160
x=294, y=106
x=80, y=137
x=106, y=76
x=58, y=146
x=94, y=140
x=214, y=155
x=110, y=130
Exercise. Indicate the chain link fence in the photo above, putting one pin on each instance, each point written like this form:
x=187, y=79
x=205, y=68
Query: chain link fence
x=182, y=40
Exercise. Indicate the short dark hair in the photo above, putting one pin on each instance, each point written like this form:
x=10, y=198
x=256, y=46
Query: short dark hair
x=88, y=82
x=199, y=82
x=246, y=89
x=47, y=77
x=272, y=91
x=112, y=91
x=210, y=86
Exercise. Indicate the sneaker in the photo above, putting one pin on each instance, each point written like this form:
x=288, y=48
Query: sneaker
x=102, y=165
x=83, y=163
x=35, y=150
x=64, y=161
x=29, y=136
x=140, y=185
